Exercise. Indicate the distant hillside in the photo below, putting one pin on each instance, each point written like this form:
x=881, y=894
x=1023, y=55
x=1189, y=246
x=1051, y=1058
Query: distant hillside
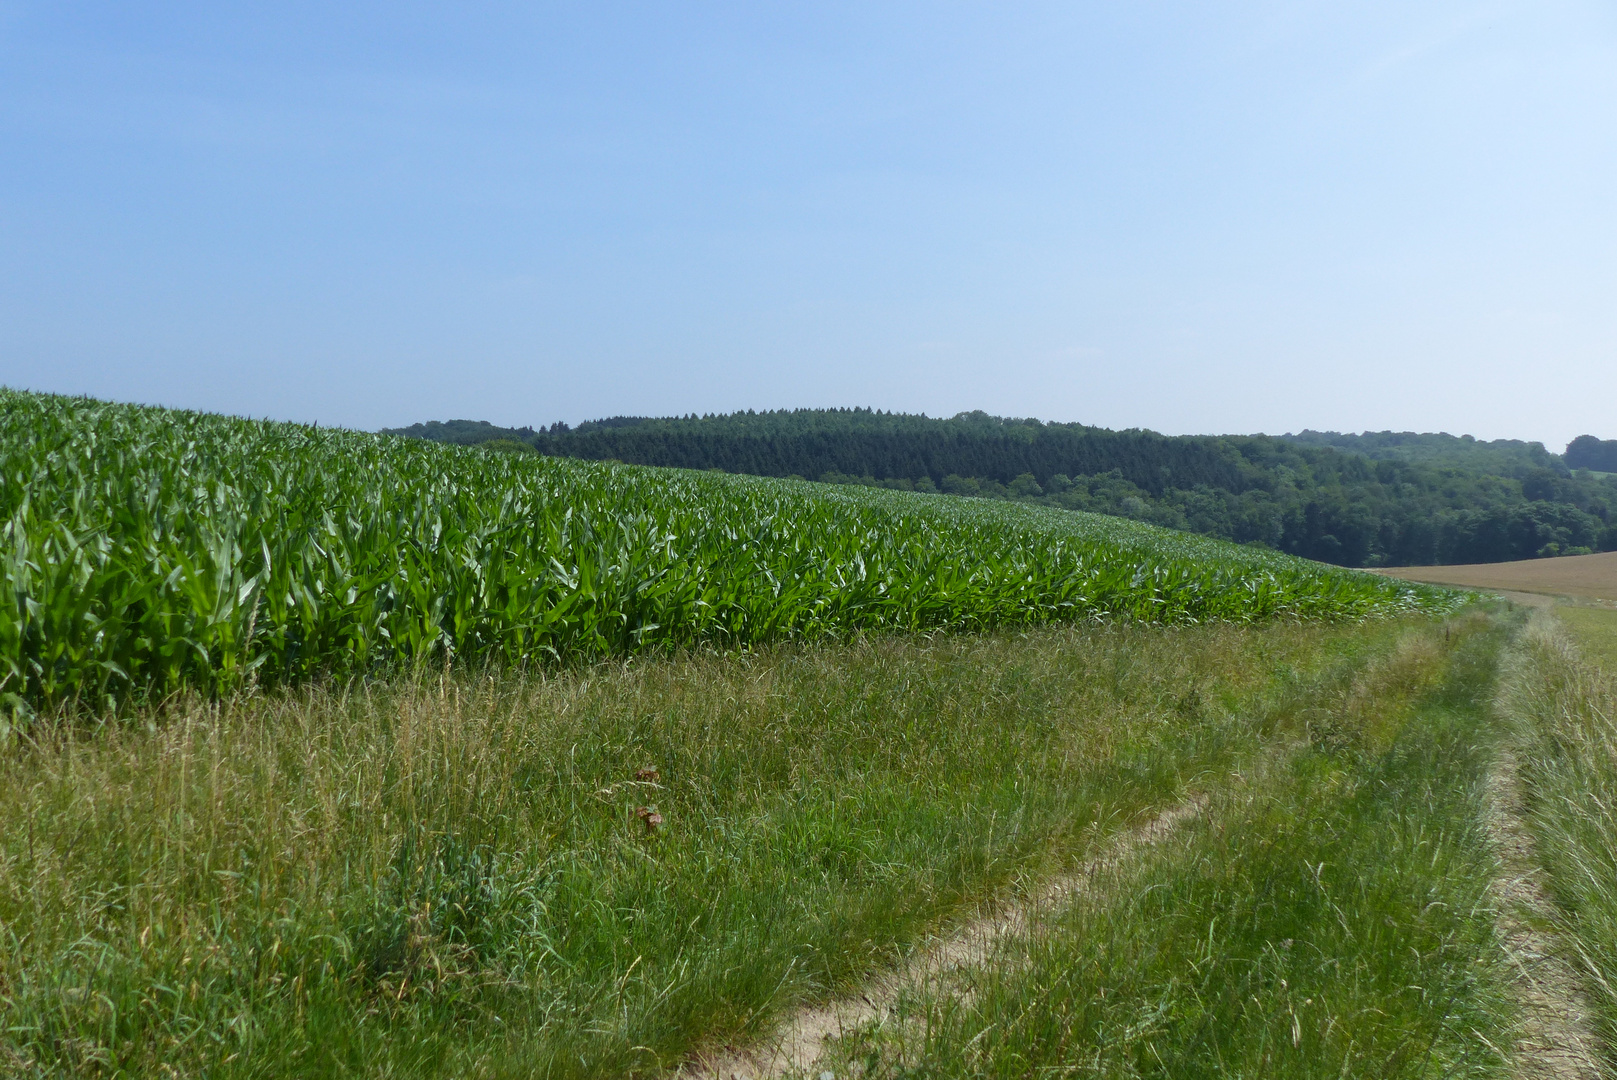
x=1358, y=500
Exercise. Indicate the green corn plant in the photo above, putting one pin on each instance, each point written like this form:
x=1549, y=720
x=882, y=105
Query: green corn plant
x=148, y=551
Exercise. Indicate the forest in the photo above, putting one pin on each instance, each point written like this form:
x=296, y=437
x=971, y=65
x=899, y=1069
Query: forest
x=1372, y=499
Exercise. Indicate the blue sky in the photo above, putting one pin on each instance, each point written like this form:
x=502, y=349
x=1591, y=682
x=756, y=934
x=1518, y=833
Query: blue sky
x=1191, y=217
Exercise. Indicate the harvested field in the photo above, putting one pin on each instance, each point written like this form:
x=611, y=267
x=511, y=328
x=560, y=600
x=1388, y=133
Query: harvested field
x=1592, y=577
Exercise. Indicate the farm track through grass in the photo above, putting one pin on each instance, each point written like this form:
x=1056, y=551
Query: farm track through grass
x=1331, y=916
x=1562, y=703
x=148, y=552
x=1556, y=1039
x=810, y=1033
x=449, y=877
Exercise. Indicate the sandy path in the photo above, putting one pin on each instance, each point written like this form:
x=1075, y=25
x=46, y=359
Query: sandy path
x=1557, y=1041
x=802, y=1038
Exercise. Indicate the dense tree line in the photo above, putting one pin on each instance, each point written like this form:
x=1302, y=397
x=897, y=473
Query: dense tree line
x=1506, y=457
x=1357, y=500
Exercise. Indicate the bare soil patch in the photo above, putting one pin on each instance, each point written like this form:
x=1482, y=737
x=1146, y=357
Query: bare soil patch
x=1557, y=1040
x=1592, y=577
x=803, y=1037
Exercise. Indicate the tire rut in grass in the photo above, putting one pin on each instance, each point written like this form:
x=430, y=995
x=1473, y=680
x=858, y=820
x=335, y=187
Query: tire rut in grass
x=800, y=1040
x=1557, y=1040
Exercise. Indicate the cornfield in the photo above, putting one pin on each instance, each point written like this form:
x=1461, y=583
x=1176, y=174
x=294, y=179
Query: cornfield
x=148, y=551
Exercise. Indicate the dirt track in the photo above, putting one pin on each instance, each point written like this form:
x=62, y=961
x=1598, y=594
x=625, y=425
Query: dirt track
x=800, y=1040
x=1557, y=1041
x=1592, y=577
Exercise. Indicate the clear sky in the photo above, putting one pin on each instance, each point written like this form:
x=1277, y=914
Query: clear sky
x=1193, y=217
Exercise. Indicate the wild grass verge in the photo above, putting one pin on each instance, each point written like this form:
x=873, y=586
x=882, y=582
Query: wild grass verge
x=453, y=878
x=1329, y=917
x=1566, y=711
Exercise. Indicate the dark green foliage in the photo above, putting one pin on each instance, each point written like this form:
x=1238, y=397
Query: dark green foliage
x=1378, y=499
x=463, y=432
x=1501, y=457
x=1588, y=452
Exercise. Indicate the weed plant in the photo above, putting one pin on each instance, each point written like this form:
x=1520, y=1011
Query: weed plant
x=1329, y=917
x=450, y=876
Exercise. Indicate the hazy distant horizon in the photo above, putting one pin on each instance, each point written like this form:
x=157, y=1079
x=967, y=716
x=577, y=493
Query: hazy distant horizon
x=1559, y=448
x=1046, y=420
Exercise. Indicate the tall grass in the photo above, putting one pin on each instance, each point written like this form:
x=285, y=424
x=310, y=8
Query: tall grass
x=147, y=552
x=1329, y=918
x=449, y=877
x=1566, y=709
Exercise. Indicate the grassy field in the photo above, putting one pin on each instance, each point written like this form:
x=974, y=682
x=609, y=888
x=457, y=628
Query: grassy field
x=449, y=878
x=149, y=552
